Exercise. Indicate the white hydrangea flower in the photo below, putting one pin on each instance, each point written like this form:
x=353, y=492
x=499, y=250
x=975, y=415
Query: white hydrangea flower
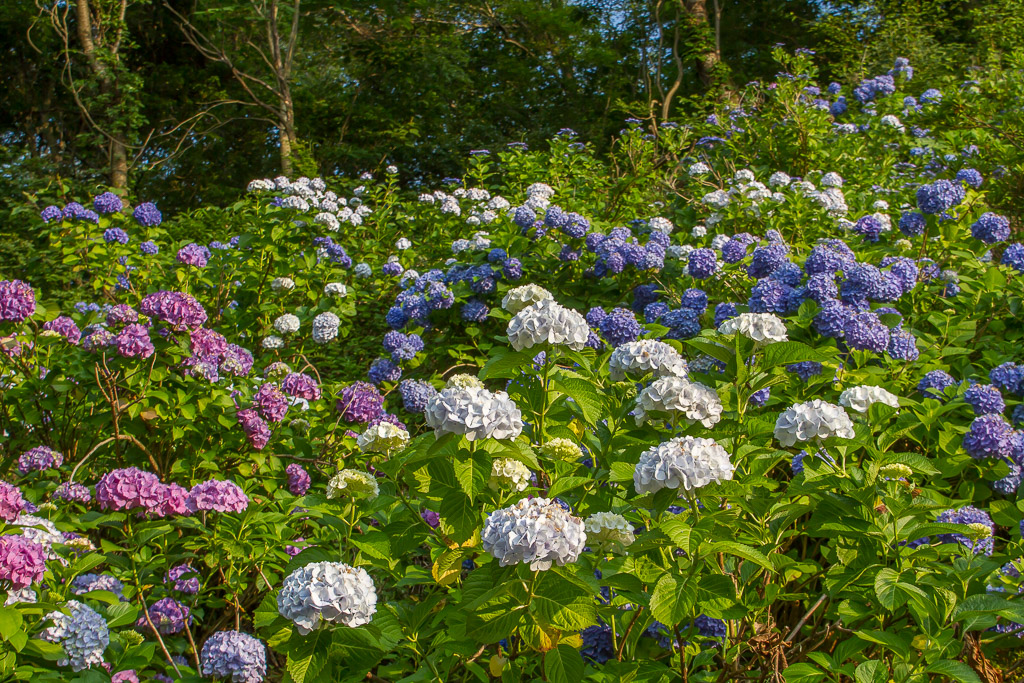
x=260, y=185
x=325, y=327
x=698, y=168
x=805, y=187
x=282, y=284
x=295, y=202
x=362, y=270
x=812, y=420
x=287, y=323
x=743, y=176
x=451, y=206
x=460, y=245
x=426, y=198
x=719, y=199
x=698, y=231
x=609, y=530
x=660, y=224
x=779, y=179
x=719, y=241
x=21, y=596
x=325, y=593
x=893, y=122
x=880, y=205
x=477, y=194
x=403, y=243
x=534, y=531
x=884, y=219
x=463, y=381
x=676, y=251
x=832, y=200
x=509, y=474
x=383, y=437
x=643, y=356
x=328, y=220
x=391, y=168
x=548, y=322
x=832, y=179
x=518, y=298
x=475, y=412
x=763, y=328
x=540, y=190
x=498, y=203
x=685, y=462
x=677, y=398
x=83, y=634
x=337, y=289
x=41, y=531
x=272, y=342
x=861, y=397
x=352, y=483
x=562, y=449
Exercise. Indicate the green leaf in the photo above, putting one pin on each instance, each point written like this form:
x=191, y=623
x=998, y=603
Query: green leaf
x=887, y=589
x=458, y=511
x=744, y=551
x=803, y=673
x=891, y=641
x=122, y=614
x=563, y=484
x=871, y=671
x=563, y=665
x=712, y=349
x=788, y=352
x=671, y=601
x=307, y=655
x=505, y=364
x=679, y=531
x=585, y=395
x=954, y=671
x=10, y=622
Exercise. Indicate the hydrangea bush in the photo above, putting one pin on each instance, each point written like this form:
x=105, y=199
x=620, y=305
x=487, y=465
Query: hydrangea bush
x=548, y=421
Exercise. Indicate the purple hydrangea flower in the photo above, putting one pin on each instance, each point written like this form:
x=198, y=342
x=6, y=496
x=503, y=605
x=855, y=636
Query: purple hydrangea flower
x=392, y=268
x=301, y=385
x=985, y=399
x=935, y=383
x=65, y=327
x=360, y=402
x=760, y=397
x=383, y=370
x=474, y=311
x=270, y=402
x=185, y=579
x=903, y=346
x=168, y=616
x=51, y=213
x=940, y=196
x=402, y=346
x=108, y=202
x=620, y=326
x=695, y=299
x=72, y=492
x=298, y=479
x=115, y=235
x=970, y=177
x=512, y=269
x=1013, y=256
x=431, y=518
x=218, y=496
x=236, y=361
x=39, y=459
x=147, y=215
x=87, y=583
x=256, y=430
x=864, y=331
x=17, y=301
x=724, y=311
x=129, y=488
x=1008, y=377
x=181, y=311
x=133, y=342
x=912, y=223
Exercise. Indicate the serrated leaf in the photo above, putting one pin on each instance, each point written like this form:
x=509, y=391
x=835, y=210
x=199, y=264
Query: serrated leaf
x=744, y=551
x=563, y=665
x=955, y=671
x=307, y=655
x=585, y=395
x=447, y=567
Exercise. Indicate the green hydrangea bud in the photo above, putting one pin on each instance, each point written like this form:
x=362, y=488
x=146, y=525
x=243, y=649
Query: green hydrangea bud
x=979, y=531
x=463, y=381
x=562, y=449
x=896, y=470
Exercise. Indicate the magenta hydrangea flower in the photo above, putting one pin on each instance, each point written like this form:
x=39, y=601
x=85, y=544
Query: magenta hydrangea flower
x=127, y=676
x=194, y=255
x=218, y=496
x=256, y=430
x=179, y=310
x=72, y=492
x=22, y=562
x=270, y=402
x=175, y=502
x=65, y=327
x=97, y=338
x=206, y=342
x=121, y=314
x=134, y=342
x=185, y=578
x=298, y=479
x=38, y=459
x=432, y=519
x=130, y=488
x=12, y=503
x=301, y=385
x=17, y=301
x=360, y=402
x=168, y=616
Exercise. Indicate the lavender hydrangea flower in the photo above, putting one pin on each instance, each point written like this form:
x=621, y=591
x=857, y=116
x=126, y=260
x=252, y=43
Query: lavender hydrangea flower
x=194, y=255
x=106, y=203
x=935, y=383
x=65, y=327
x=179, y=310
x=184, y=577
x=147, y=215
x=234, y=655
x=1013, y=256
x=51, y=213
x=903, y=345
x=39, y=459
x=383, y=370
x=301, y=385
x=149, y=248
x=298, y=479
x=988, y=437
x=270, y=402
x=17, y=301
x=87, y=583
x=218, y=496
x=82, y=633
x=257, y=433
x=702, y=263
x=991, y=228
x=1008, y=377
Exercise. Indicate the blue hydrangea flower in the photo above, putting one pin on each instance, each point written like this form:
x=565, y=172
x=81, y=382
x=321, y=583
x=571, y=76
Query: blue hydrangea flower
x=828, y=257
x=702, y=263
x=970, y=177
x=734, y=251
x=985, y=399
x=988, y=437
x=620, y=326
x=694, y=298
x=524, y=217
x=935, y=383
x=598, y=645
x=991, y=228
x=1013, y=256
x=903, y=345
x=865, y=332
x=967, y=515
x=595, y=315
x=868, y=226
x=797, y=464
x=760, y=397
x=831, y=320
x=788, y=273
x=769, y=296
x=497, y=255
x=51, y=213
x=108, y=202
x=383, y=370
x=805, y=370
x=683, y=323
x=723, y=312
x=474, y=311
x=1008, y=377
x=654, y=311
x=512, y=269
x=115, y=235
x=147, y=215
x=940, y=196
x=766, y=259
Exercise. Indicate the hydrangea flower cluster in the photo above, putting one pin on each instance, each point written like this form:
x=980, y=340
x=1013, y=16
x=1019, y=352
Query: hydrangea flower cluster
x=547, y=322
x=83, y=634
x=535, y=531
x=645, y=356
x=325, y=593
x=676, y=398
x=684, y=462
x=508, y=474
x=475, y=412
x=217, y=496
x=860, y=398
x=39, y=459
x=234, y=655
x=814, y=420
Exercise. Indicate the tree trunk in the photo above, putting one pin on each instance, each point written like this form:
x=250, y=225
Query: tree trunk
x=708, y=57
x=118, y=163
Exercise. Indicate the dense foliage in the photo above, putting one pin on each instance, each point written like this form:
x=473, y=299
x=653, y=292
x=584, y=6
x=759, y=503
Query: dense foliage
x=741, y=403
